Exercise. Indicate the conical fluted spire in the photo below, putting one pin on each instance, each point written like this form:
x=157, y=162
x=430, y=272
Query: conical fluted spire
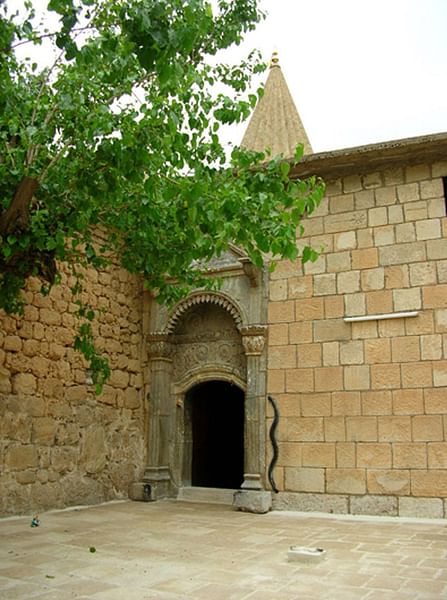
x=275, y=123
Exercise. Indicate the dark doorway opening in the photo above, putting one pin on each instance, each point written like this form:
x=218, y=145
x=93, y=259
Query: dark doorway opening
x=215, y=415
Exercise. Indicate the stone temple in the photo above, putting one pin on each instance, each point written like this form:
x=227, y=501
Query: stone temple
x=352, y=348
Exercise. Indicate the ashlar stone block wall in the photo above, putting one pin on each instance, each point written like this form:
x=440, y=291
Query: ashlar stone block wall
x=364, y=405
x=60, y=444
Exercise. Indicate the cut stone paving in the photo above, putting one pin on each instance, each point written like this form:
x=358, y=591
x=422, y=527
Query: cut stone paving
x=177, y=550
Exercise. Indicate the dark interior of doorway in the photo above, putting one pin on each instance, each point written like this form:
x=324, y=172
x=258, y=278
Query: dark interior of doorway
x=217, y=420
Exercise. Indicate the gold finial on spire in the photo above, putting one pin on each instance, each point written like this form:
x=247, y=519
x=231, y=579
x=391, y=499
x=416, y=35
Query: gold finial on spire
x=274, y=62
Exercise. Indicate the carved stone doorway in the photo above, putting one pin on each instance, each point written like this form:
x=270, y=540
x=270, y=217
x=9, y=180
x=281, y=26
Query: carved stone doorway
x=214, y=436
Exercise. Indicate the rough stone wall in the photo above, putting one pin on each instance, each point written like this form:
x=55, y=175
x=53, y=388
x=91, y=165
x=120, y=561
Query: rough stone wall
x=60, y=444
x=364, y=405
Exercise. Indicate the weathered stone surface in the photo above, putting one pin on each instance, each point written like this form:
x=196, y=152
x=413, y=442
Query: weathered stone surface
x=386, y=506
x=326, y=503
x=253, y=501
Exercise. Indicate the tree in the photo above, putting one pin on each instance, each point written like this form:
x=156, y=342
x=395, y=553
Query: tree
x=120, y=134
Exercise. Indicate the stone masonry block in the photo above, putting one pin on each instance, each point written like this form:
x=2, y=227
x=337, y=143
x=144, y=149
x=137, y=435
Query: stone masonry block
x=405, y=349
x=435, y=296
x=427, y=428
x=376, y=403
x=431, y=189
x=308, y=502
x=24, y=383
x=276, y=381
x=313, y=268
x=341, y=204
x=290, y=454
x=278, y=290
x=19, y=458
x=398, y=254
x=309, y=310
x=440, y=372
x=338, y=261
x=334, y=429
x=379, y=302
x=304, y=479
x=377, y=351
x=417, y=211
x=365, y=238
x=408, y=192
x=305, y=429
x=435, y=401
x=334, y=307
x=331, y=330
x=328, y=379
x=361, y=429
x=324, y=285
x=316, y=405
x=377, y=216
x=421, y=508
x=331, y=354
x=437, y=455
x=346, y=404
x=348, y=282
x=351, y=353
x=279, y=334
x=366, y=258
x=373, y=279
x=300, y=287
x=391, y=482
x=417, y=374
x=386, y=196
x=395, y=214
x=372, y=180
x=384, y=236
x=355, y=304
x=385, y=376
x=319, y=455
x=374, y=456
x=300, y=332
x=345, y=221
x=432, y=483
x=409, y=456
x=382, y=506
x=357, y=377
x=346, y=240
x=309, y=355
x=408, y=402
x=282, y=357
x=423, y=274
x=431, y=347
x=345, y=454
x=281, y=312
x=397, y=277
x=394, y=429
x=429, y=229
x=437, y=249
x=345, y=481
x=300, y=380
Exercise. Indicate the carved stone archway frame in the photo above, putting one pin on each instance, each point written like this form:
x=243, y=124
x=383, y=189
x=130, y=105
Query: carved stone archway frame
x=244, y=297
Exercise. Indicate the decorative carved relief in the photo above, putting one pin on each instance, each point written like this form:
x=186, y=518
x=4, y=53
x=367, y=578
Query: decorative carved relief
x=159, y=346
x=202, y=298
x=207, y=336
x=253, y=339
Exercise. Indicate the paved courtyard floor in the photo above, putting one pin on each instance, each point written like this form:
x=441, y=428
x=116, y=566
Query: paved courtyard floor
x=174, y=550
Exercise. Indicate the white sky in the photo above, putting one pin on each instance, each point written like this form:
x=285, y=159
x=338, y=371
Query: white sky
x=360, y=71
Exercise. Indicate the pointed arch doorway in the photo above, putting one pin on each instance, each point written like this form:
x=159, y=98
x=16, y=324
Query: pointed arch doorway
x=214, y=435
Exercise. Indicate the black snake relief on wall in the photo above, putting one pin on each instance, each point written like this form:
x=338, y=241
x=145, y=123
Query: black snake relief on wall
x=274, y=443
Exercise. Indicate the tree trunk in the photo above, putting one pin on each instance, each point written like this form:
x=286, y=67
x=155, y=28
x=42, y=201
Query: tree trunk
x=17, y=214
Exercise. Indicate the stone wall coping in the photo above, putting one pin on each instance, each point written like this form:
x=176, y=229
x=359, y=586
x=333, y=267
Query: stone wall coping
x=373, y=157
